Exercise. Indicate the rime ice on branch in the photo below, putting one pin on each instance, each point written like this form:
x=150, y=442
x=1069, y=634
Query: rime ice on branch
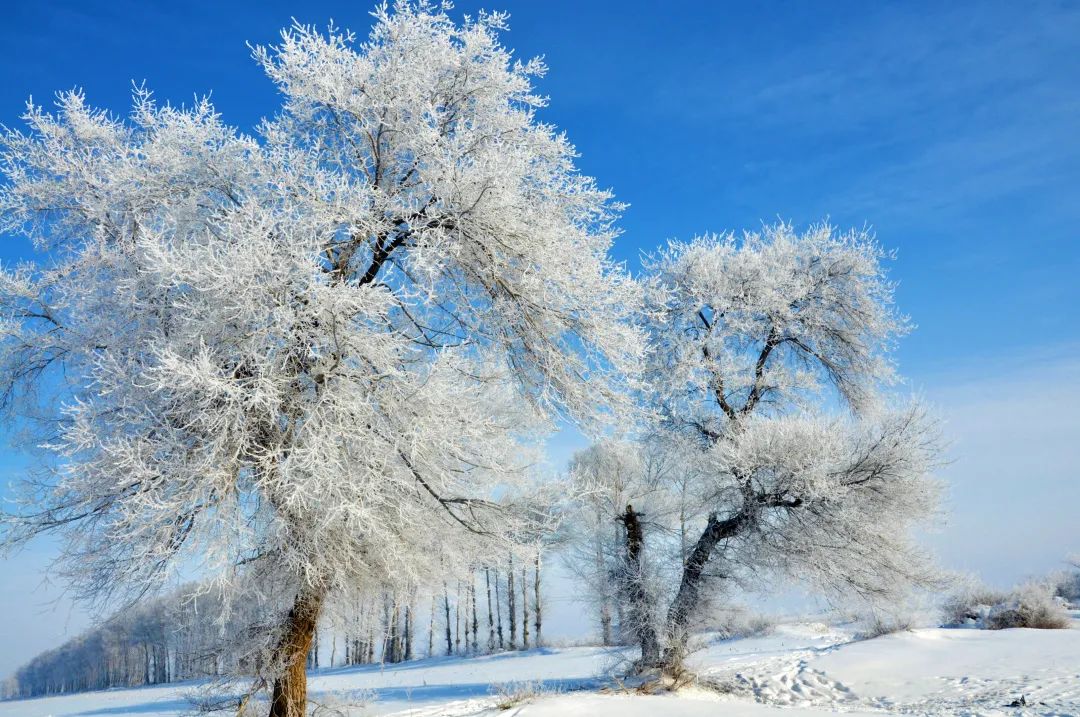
x=311, y=356
x=769, y=371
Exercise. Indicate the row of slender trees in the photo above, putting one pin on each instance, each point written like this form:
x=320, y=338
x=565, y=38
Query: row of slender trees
x=490, y=609
x=164, y=640
x=170, y=639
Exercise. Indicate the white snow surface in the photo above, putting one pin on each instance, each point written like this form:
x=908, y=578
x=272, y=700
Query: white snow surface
x=800, y=669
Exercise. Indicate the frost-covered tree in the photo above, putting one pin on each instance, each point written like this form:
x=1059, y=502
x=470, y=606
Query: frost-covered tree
x=771, y=356
x=310, y=355
x=603, y=479
x=622, y=491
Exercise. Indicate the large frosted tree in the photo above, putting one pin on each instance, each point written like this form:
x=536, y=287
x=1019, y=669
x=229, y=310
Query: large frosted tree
x=306, y=358
x=770, y=366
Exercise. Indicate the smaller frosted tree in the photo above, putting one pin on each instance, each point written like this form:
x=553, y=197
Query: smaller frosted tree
x=771, y=356
x=625, y=494
x=606, y=480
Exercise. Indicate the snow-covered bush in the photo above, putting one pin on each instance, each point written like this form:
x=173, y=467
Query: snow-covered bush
x=512, y=694
x=969, y=605
x=342, y=703
x=1067, y=585
x=880, y=625
x=1032, y=605
x=736, y=622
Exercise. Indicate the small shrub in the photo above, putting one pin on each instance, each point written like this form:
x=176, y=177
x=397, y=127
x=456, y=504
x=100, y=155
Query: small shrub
x=210, y=702
x=757, y=625
x=738, y=622
x=512, y=694
x=881, y=625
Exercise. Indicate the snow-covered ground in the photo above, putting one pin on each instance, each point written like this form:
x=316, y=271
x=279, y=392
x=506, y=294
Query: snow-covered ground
x=799, y=669
x=921, y=672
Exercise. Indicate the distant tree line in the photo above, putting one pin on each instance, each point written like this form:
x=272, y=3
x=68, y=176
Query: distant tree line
x=179, y=636
x=160, y=641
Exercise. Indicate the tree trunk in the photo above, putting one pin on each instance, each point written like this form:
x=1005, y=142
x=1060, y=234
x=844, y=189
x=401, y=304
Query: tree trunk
x=498, y=610
x=641, y=616
x=397, y=640
x=605, y=624
x=449, y=637
x=431, y=628
x=289, y=698
x=524, y=609
x=491, y=614
x=511, y=603
x=457, y=621
x=603, y=583
x=689, y=595
x=409, y=627
x=475, y=624
x=390, y=631
x=537, y=604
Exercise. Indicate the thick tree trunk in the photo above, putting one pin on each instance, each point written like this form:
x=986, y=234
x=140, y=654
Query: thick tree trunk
x=689, y=596
x=289, y=698
x=641, y=614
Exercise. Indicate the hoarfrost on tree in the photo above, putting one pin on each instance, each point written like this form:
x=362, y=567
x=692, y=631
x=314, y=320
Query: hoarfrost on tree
x=312, y=355
x=771, y=354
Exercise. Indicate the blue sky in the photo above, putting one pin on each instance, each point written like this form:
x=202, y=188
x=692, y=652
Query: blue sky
x=953, y=129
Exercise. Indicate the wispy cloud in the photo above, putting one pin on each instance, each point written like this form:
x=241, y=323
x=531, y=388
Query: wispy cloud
x=902, y=109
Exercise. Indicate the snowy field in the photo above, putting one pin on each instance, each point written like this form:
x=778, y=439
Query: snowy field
x=799, y=669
